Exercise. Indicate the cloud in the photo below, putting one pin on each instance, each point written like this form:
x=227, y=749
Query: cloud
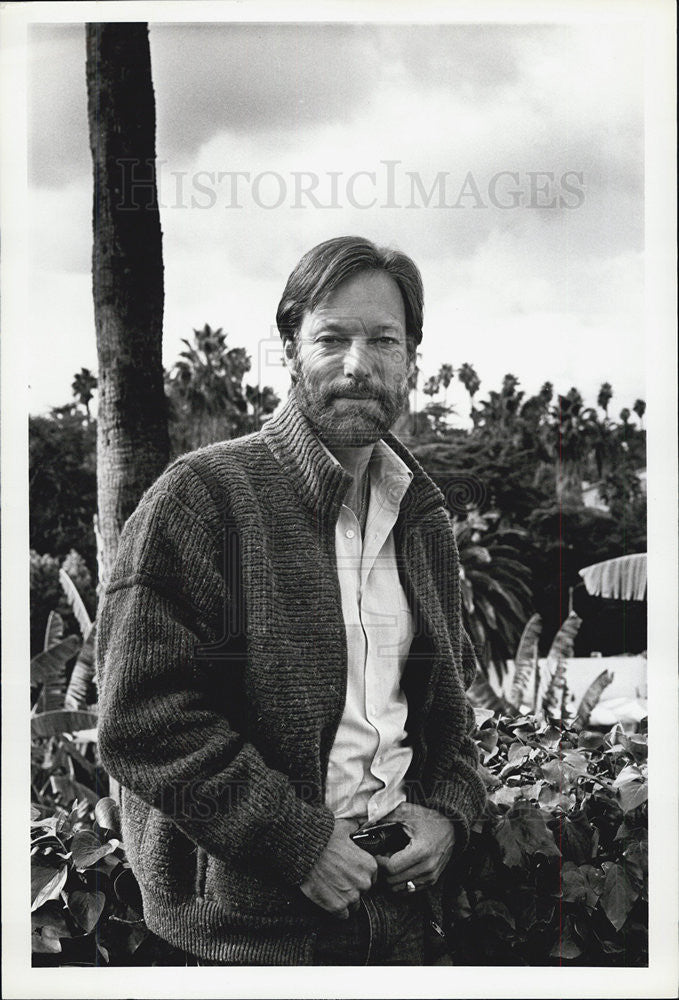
x=249, y=78
x=58, y=146
x=287, y=105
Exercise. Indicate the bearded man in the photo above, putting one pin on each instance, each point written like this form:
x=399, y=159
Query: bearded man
x=282, y=660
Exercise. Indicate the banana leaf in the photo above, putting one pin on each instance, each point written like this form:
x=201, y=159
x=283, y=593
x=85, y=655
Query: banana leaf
x=591, y=698
x=55, y=723
x=555, y=696
x=76, y=602
x=49, y=664
x=525, y=661
x=82, y=675
x=54, y=632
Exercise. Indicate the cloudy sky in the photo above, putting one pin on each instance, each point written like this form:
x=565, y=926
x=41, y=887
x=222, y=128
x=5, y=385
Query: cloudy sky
x=507, y=160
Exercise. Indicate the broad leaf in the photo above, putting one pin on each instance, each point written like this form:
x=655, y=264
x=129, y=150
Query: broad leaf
x=495, y=909
x=127, y=890
x=632, y=788
x=46, y=883
x=590, y=741
x=57, y=722
x=86, y=907
x=505, y=796
x=552, y=798
x=576, y=837
x=70, y=790
x=483, y=715
x=566, y=945
x=87, y=849
x=548, y=737
x=45, y=942
x=595, y=879
x=522, y=833
x=518, y=753
x=49, y=664
x=107, y=814
x=573, y=884
x=51, y=915
x=618, y=896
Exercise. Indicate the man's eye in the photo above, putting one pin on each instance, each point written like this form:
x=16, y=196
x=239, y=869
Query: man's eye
x=328, y=340
x=388, y=340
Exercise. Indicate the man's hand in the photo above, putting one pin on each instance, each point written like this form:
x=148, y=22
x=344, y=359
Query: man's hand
x=432, y=837
x=341, y=874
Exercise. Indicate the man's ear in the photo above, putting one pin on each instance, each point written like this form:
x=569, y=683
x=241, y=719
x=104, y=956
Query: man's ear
x=290, y=357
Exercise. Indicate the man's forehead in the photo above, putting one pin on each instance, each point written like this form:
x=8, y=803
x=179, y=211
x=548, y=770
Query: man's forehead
x=338, y=322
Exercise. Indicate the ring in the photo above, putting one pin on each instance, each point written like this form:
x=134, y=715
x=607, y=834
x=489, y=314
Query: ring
x=410, y=886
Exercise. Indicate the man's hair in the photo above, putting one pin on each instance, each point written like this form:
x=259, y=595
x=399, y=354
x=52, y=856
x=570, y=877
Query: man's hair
x=326, y=266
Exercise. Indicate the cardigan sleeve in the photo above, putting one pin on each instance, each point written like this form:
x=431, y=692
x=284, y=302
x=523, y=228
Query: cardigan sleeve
x=159, y=733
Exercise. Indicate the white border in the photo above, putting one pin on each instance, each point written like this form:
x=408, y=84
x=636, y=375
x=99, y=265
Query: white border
x=660, y=980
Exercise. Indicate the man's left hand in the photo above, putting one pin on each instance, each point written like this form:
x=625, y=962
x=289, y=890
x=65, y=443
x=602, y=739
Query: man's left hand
x=422, y=861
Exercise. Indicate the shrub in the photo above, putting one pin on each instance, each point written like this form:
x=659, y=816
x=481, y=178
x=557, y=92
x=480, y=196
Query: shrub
x=556, y=872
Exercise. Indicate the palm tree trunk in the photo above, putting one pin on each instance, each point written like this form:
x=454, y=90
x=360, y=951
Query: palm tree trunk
x=127, y=274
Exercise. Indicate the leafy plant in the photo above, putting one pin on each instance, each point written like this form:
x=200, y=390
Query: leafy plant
x=85, y=902
x=556, y=872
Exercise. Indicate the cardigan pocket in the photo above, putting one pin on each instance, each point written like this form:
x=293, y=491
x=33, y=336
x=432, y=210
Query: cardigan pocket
x=167, y=859
x=245, y=890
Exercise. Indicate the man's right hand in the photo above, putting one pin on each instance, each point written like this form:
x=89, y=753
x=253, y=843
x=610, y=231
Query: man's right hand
x=341, y=874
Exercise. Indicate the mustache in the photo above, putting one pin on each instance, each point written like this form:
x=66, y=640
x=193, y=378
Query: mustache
x=354, y=390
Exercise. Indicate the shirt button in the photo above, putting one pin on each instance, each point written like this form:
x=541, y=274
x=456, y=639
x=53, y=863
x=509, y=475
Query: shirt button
x=350, y=532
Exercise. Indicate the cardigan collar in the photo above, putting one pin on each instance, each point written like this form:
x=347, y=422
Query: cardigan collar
x=321, y=483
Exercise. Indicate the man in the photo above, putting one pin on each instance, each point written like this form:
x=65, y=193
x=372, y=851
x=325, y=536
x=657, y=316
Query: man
x=282, y=659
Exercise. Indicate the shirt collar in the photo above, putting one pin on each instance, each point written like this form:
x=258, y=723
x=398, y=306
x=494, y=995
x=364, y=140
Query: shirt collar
x=322, y=481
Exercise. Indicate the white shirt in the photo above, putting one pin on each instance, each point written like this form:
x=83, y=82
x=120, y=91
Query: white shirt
x=369, y=758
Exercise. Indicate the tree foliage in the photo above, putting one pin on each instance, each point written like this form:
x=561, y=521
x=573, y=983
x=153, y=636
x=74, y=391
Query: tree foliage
x=208, y=400
x=521, y=469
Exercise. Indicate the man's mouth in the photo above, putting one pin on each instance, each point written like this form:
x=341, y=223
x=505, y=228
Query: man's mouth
x=354, y=395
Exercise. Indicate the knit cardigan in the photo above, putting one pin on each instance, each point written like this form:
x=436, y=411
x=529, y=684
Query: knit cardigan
x=222, y=670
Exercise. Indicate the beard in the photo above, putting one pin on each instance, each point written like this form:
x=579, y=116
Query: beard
x=343, y=421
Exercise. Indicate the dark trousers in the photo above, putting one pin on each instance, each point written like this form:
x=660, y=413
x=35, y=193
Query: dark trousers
x=385, y=929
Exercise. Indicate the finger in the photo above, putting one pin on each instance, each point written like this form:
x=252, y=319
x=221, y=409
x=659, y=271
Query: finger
x=424, y=871
x=410, y=856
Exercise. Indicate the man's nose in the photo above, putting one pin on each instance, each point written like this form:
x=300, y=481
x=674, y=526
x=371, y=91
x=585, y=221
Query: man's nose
x=356, y=361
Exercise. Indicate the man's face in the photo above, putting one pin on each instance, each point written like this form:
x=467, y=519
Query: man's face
x=350, y=361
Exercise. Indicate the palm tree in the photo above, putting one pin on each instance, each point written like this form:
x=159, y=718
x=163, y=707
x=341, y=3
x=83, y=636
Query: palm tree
x=431, y=386
x=472, y=383
x=605, y=396
x=207, y=398
x=82, y=385
x=445, y=377
x=640, y=408
x=127, y=275
x=573, y=444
